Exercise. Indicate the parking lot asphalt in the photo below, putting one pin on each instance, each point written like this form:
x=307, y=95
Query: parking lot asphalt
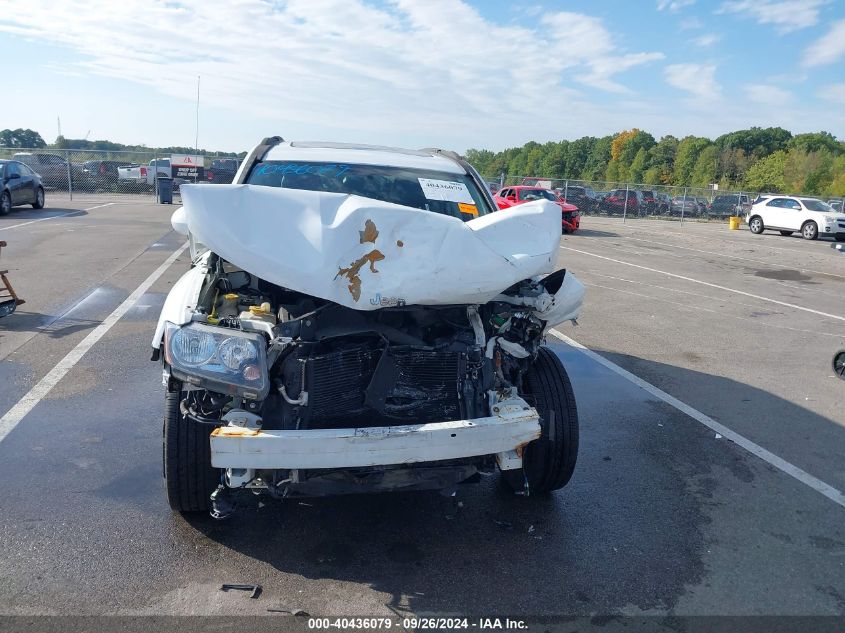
x=663, y=516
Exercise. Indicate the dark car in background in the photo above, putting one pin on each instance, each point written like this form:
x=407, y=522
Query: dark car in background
x=686, y=206
x=102, y=174
x=582, y=197
x=649, y=202
x=664, y=203
x=222, y=170
x=52, y=169
x=729, y=204
x=19, y=185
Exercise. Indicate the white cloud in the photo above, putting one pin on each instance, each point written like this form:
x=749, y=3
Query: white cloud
x=691, y=24
x=834, y=93
x=828, y=48
x=766, y=94
x=587, y=43
x=673, y=5
x=786, y=15
x=699, y=80
x=377, y=68
x=706, y=40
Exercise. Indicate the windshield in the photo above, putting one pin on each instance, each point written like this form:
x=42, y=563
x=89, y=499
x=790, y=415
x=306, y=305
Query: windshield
x=816, y=205
x=449, y=194
x=536, y=194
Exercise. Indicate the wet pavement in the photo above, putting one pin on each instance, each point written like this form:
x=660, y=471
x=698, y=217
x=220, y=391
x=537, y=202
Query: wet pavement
x=660, y=517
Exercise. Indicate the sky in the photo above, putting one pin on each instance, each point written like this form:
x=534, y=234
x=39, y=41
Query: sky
x=419, y=73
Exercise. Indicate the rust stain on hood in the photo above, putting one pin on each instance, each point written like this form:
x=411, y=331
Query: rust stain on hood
x=352, y=275
x=370, y=232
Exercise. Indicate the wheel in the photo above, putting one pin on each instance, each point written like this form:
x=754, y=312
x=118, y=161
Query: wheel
x=756, y=225
x=188, y=475
x=548, y=461
x=810, y=230
x=839, y=364
x=39, y=199
x=5, y=203
x=786, y=233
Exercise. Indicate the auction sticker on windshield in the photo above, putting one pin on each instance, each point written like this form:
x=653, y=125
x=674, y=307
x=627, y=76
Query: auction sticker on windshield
x=447, y=190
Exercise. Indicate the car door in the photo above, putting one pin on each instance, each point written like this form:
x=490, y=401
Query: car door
x=793, y=215
x=13, y=182
x=773, y=213
x=27, y=184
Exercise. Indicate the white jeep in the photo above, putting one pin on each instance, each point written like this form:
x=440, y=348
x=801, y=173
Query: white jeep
x=789, y=214
x=357, y=319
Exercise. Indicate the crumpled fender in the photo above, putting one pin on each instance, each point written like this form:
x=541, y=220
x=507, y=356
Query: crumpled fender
x=366, y=254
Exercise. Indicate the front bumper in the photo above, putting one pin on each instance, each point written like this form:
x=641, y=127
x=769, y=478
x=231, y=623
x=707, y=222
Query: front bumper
x=513, y=424
x=571, y=224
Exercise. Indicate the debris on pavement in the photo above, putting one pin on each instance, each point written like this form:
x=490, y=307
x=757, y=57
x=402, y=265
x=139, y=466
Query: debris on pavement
x=255, y=589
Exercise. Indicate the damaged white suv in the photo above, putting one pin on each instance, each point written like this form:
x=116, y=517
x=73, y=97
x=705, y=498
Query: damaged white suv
x=360, y=319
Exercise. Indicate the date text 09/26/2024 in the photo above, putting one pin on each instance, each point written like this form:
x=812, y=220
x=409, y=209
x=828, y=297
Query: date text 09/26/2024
x=481, y=624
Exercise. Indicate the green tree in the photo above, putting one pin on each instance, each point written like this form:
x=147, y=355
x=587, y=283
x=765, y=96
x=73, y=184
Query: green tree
x=21, y=138
x=638, y=167
x=686, y=156
x=704, y=171
x=767, y=174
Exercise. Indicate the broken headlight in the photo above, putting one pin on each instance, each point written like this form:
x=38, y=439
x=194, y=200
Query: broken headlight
x=222, y=360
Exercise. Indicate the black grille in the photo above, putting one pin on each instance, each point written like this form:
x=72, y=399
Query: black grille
x=426, y=387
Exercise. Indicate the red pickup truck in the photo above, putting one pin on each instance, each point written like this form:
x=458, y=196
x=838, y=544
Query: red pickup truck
x=520, y=194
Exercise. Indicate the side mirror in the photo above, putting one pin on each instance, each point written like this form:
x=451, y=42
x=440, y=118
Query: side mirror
x=512, y=197
x=179, y=221
x=14, y=176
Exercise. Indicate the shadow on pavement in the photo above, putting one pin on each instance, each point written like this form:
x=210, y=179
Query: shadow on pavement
x=629, y=532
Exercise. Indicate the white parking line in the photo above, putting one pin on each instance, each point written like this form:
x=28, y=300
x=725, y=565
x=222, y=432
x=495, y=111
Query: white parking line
x=53, y=217
x=745, y=259
x=707, y=283
x=755, y=449
x=17, y=413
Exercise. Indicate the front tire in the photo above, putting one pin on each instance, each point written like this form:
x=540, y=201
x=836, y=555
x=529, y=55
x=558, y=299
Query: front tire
x=756, y=225
x=839, y=364
x=188, y=475
x=810, y=230
x=786, y=233
x=39, y=199
x=548, y=462
x=5, y=203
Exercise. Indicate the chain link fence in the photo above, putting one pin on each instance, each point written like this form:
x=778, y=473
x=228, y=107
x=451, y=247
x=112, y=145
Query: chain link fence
x=636, y=200
x=81, y=173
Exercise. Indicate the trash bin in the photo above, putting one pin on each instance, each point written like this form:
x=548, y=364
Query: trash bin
x=165, y=190
x=733, y=222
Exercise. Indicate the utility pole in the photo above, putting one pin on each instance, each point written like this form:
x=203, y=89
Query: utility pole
x=197, y=137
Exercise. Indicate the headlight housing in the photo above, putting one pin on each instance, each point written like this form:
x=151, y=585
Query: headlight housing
x=220, y=359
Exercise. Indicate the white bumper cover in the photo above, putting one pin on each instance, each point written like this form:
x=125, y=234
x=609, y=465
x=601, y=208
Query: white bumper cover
x=512, y=425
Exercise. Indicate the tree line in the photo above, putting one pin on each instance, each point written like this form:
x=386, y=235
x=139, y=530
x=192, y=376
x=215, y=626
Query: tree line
x=30, y=139
x=768, y=159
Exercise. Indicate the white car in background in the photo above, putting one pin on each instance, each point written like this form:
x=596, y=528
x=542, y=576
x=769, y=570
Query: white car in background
x=788, y=214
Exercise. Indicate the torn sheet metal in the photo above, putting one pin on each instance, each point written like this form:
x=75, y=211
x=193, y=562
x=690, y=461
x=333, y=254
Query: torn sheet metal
x=358, y=251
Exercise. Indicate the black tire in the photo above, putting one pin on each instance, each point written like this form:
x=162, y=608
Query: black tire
x=787, y=233
x=810, y=230
x=5, y=203
x=39, y=199
x=839, y=364
x=188, y=475
x=755, y=224
x=548, y=462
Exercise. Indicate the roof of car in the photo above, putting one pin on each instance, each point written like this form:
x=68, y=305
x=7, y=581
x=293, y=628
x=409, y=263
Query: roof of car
x=363, y=155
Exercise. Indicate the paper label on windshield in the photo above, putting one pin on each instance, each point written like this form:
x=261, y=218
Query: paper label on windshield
x=447, y=190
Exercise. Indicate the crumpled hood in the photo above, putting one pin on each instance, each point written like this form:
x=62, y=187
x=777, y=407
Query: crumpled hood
x=366, y=254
